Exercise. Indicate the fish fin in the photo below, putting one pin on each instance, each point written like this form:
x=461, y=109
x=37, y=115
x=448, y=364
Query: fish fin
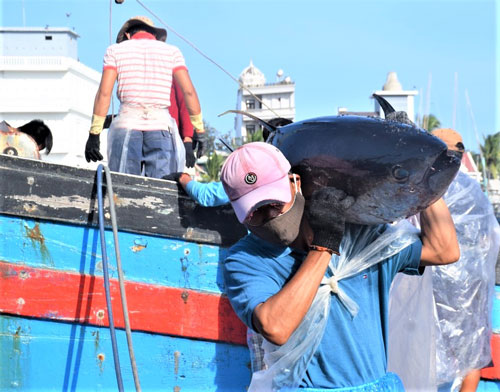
x=270, y=129
x=390, y=113
x=384, y=104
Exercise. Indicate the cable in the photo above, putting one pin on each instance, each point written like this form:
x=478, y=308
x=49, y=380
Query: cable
x=106, y=280
x=121, y=279
x=208, y=58
x=110, y=42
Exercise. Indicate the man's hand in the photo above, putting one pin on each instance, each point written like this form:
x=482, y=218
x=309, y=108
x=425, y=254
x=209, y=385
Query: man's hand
x=199, y=143
x=92, y=152
x=326, y=216
x=190, y=159
x=173, y=176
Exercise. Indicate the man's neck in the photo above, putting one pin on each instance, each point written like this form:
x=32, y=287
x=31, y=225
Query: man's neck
x=305, y=237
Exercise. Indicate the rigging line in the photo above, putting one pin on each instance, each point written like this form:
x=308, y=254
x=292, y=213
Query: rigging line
x=483, y=160
x=208, y=58
x=111, y=42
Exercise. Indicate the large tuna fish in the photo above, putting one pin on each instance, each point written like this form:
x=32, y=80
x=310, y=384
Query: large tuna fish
x=392, y=169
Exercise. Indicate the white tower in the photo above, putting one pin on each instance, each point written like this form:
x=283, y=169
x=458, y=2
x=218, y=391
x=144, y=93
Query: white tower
x=269, y=100
x=400, y=99
x=41, y=78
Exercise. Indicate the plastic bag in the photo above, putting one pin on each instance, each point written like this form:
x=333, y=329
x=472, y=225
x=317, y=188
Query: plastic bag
x=461, y=302
x=411, y=347
x=361, y=247
x=463, y=291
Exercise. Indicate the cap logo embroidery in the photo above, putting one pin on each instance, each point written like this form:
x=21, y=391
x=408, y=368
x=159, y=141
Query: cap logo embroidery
x=251, y=178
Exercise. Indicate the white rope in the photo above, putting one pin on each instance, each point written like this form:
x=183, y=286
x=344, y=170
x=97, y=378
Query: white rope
x=206, y=56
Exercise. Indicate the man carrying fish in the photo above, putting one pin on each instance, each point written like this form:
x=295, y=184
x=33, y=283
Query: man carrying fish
x=275, y=275
x=144, y=131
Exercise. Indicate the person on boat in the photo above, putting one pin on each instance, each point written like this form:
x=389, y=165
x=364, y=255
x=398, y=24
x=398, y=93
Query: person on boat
x=274, y=273
x=180, y=114
x=462, y=293
x=211, y=194
x=143, y=133
x=27, y=140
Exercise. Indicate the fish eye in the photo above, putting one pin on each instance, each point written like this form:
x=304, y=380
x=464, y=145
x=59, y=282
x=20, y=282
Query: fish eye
x=460, y=147
x=399, y=173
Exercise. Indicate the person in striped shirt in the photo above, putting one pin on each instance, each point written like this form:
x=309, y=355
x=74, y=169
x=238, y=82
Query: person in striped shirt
x=144, y=136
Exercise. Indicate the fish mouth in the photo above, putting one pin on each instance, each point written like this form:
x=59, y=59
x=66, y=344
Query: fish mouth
x=443, y=171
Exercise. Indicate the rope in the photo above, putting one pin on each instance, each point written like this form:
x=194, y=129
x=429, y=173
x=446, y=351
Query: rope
x=106, y=280
x=242, y=86
x=121, y=279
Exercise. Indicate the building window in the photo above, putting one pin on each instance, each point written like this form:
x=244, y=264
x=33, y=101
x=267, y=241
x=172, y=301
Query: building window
x=260, y=101
x=250, y=129
x=250, y=103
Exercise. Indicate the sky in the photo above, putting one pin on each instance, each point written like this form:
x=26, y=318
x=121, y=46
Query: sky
x=337, y=52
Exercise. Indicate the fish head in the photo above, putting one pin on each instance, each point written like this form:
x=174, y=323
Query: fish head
x=393, y=170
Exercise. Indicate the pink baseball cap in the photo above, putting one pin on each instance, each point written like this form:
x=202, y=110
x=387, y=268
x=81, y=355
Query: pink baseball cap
x=254, y=174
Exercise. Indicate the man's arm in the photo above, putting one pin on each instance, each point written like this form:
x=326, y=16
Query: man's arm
x=439, y=239
x=178, y=105
x=103, y=96
x=181, y=76
x=278, y=317
x=101, y=106
x=207, y=195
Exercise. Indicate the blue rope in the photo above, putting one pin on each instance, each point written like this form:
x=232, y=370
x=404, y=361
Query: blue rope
x=106, y=279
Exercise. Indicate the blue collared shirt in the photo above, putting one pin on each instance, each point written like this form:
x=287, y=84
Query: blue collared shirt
x=353, y=351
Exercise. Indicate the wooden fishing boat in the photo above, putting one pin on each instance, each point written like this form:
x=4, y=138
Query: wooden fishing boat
x=54, y=331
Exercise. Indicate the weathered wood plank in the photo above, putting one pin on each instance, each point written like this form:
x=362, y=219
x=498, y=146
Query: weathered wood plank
x=43, y=190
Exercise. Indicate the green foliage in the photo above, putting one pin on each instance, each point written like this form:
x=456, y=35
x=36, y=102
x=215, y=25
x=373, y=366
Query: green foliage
x=429, y=122
x=255, y=137
x=214, y=164
x=491, y=153
x=211, y=137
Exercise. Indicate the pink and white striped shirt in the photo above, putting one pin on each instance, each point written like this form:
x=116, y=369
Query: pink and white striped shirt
x=145, y=69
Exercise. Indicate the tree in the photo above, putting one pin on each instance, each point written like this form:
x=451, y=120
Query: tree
x=211, y=137
x=429, y=122
x=491, y=153
x=213, y=166
x=255, y=137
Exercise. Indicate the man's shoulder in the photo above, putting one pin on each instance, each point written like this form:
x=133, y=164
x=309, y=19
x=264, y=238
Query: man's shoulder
x=160, y=45
x=245, y=245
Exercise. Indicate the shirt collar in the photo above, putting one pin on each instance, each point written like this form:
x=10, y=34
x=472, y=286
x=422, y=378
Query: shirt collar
x=274, y=250
x=143, y=35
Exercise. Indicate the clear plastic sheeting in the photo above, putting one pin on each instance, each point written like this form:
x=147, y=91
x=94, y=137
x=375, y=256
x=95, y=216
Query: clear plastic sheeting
x=461, y=302
x=119, y=133
x=412, y=340
x=361, y=247
x=463, y=291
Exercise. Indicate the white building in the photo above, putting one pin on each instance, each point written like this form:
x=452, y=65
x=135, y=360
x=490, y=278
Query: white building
x=400, y=100
x=263, y=100
x=392, y=91
x=41, y=78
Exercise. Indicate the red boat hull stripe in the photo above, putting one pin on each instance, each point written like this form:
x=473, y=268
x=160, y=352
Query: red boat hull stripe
x=71, y=297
